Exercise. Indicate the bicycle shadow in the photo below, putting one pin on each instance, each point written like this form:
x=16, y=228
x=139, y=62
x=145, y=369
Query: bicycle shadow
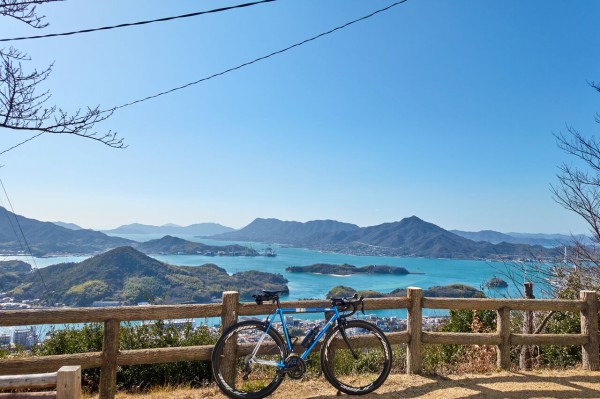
x=505, y=385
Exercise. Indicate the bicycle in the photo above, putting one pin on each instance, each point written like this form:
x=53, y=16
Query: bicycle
x=251, y=358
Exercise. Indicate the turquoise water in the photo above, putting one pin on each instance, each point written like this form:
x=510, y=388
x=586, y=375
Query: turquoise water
x=305, y=285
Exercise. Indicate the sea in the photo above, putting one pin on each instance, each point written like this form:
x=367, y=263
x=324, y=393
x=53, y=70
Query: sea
x=425, y=272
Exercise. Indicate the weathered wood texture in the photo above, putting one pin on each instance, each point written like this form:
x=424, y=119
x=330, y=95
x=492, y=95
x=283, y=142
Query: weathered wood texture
x=41, y=364
x=110, y=350
x=589, y=327
x=503, y=330
x=27, y=381
x=414, y=322
x=67, y=382
x=229, y=315
x=561, y=305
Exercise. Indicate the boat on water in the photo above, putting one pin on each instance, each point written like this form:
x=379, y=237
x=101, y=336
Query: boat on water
x=269, y=252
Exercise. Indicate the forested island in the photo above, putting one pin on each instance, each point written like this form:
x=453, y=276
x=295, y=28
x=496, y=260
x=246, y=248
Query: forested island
x=346, y=269
x=128, y=276
x=446, y=291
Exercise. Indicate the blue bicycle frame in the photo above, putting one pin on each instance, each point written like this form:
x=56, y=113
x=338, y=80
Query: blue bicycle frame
x=282, y=311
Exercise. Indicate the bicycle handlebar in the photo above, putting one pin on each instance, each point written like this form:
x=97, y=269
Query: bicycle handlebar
x=343, y=304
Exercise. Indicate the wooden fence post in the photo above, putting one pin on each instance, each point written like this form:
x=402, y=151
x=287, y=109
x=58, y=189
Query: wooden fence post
x=503, y=330
x=525, y=361
x=110, y=349
x=68, y=382
x=229, y=316
x=414, y=355
x=589, y=326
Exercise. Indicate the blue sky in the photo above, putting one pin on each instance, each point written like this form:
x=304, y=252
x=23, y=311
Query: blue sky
x=441, y=109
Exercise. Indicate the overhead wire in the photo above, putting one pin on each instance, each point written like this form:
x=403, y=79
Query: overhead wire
x=256, y=59
x=193, y=14
x=233, y=68
x=24, y=238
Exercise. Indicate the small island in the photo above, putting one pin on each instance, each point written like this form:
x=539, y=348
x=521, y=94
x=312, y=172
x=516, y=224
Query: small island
x=346, y=269
x=496, y=282
x=446, y=291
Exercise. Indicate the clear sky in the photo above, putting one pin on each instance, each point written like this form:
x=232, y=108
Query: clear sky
x=441, y=109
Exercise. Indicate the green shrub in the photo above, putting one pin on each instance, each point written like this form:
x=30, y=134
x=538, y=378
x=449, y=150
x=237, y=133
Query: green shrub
x=139, y=377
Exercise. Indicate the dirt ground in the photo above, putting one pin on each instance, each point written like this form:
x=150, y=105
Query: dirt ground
x=522, y=385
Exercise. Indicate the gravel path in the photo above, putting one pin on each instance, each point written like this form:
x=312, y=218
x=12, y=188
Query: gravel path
x=522, y=385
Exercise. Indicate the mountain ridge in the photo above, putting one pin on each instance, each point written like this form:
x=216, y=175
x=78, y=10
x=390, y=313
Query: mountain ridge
x=197, y=229
x=410, y=236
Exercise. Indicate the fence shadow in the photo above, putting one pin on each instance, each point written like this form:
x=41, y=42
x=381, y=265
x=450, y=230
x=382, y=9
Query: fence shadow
x=529, y=385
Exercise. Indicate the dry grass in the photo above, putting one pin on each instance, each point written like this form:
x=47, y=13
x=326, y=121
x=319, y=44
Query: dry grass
x=521, y=385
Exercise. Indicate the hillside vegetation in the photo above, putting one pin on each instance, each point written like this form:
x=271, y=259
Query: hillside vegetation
x=127, y=275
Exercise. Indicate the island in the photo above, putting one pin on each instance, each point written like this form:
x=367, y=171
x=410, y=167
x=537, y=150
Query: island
x=346, y=269
x=126, y=276
x=445, y=291
x=496, y=282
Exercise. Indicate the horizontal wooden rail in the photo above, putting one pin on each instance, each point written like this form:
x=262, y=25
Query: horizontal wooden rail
x=67, y=381
x=460, y=338
x=560, y=305
x=28, y=381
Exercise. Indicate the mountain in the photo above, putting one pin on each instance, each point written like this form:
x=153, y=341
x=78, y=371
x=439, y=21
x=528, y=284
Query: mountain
x=178, y=246
x=127, y=275
x=45, y=238
x=71, y=226
x=546, y=240
x=284, y=232
x=408, y=237
x=198, y=229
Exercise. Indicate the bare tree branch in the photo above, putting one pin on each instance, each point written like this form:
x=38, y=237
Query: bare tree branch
x=25, y=11
x=22, y=104
x=22, y=108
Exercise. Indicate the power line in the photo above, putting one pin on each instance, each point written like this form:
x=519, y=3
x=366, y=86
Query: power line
x=21, y=143
x=24, y=239
x=256, y=59
x=194, y=14
x=230, y=69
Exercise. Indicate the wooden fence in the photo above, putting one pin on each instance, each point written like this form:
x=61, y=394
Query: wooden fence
x=230, y=309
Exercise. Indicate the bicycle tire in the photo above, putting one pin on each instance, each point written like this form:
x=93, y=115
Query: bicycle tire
x=263, y=379
x=348, y=374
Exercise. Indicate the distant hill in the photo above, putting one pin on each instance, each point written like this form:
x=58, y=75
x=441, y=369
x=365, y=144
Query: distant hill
x=71, y=226
x=408, y=237
x=46, y=238
x=178, y=246
x=284, y=232
x=546, y=240
x=199, y=229
x=127, y=275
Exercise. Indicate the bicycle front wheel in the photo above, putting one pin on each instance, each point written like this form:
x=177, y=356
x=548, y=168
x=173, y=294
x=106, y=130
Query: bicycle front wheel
x=244, y=360
x=359, y=364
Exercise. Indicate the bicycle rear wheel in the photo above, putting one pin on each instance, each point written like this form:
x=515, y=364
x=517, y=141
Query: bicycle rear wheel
x=236, y=372
x=360, y=374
